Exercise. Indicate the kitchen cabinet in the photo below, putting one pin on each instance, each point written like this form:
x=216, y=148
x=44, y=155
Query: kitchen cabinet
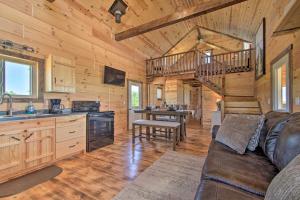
x=11, y=152
x=39, y=146
x=70, y=135
x=60, y=74
x=29, y=145
x=25, y=145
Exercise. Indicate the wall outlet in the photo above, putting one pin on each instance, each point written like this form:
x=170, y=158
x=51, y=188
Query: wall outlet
x=269, y=101
x=297, y=101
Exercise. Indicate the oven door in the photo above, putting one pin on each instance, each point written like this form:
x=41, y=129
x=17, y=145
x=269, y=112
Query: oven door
x=100, y=130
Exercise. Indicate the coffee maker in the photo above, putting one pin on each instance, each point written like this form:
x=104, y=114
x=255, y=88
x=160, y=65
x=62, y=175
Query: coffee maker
x=55, y=107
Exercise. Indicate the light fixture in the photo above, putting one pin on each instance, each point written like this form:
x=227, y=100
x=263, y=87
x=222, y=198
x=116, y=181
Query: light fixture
x=118, y=9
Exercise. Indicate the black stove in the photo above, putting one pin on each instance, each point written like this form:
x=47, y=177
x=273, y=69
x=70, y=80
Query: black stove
x=100, y=125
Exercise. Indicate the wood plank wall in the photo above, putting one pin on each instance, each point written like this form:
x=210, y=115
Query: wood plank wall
x=209, y=99
x=274, y=46
x=64, y=31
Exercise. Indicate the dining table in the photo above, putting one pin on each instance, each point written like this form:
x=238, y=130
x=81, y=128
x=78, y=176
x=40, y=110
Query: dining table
x=180, y=116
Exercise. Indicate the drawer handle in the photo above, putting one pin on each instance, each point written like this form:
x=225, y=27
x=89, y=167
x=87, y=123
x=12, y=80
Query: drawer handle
x=71, y=132
x=29, y=136
x=15, y=138
x=73, y=120
x=72, y=146
x=2, y=135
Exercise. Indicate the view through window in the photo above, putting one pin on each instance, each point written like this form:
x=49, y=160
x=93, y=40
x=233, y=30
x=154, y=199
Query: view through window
x=281, y=84
x=135, y=96
x=18, y=78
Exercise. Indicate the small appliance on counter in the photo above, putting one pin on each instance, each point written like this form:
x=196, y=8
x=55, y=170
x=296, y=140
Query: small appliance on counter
x=55, y=106
x=100, y=125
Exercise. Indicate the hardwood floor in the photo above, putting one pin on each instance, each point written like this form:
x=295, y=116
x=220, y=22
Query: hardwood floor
x=103, y=173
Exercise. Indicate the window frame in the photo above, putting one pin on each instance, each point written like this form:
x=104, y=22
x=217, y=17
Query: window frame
x=38, y=66
x=33, y=75
x=289, y=73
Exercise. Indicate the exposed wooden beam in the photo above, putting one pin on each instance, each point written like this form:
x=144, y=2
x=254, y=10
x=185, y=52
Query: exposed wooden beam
x=225, y=34
x=290, y=19
x=204, y=8
x=182, y=38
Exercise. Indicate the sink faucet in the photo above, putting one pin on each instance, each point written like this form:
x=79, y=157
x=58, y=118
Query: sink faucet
x=10, y=102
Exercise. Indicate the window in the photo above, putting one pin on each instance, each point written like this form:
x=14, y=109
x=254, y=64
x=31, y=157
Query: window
x=135, y=96
x=208, y=54
x=19, y=77
x=246, y=45
x=281, y=84
x=159, y=93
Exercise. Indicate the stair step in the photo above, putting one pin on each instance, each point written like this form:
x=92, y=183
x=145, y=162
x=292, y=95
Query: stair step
x=255, y=111
x=241, y=104
x=239, y=98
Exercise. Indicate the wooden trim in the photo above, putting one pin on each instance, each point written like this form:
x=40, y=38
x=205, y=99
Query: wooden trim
x=202, y=9
x=264, y=49
x=288, y=50
x=281, y=54
x=142, y=99
x=40, y=76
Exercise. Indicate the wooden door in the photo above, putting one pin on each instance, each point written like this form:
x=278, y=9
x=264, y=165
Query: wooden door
x=69, y=79
x=64, y=78
x=134, y=101
x=11, y=145
x=39, y=146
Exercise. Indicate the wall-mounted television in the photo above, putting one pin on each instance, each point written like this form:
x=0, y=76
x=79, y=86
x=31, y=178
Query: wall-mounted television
x=114, y=76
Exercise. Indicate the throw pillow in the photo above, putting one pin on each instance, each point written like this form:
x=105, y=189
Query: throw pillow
x=253, y=143
x=236, y=131
x=286, y=184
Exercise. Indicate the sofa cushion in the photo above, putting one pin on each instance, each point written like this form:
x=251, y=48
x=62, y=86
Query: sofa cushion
x=271, y=118
x=251, y=172
x=287, y=146
x=272, y=138
x=211, y=190
x=236, y=131
x=254, y=140
x=286, y=184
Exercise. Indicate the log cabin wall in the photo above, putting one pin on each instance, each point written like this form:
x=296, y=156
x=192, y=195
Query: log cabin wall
x=64, y=31
x=274, y=46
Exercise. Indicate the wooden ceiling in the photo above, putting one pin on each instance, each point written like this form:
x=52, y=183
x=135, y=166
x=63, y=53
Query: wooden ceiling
x=241, y=20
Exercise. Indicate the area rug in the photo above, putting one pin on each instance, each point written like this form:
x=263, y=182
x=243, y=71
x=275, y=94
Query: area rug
x=23, y=183
x=175, y=176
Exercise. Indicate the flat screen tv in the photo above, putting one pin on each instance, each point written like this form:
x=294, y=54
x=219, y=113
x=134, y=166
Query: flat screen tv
x=114, y=76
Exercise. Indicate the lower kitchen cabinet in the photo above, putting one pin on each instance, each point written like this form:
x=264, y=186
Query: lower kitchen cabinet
x=70, y=135
x=11, y=149
x=29, y=145
x=39, y=146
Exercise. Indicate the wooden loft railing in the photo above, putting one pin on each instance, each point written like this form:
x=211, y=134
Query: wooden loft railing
x=209, y=70
x=174, y=64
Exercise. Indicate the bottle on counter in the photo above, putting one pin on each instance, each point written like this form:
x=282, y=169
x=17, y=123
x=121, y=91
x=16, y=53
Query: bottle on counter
x=30, y=109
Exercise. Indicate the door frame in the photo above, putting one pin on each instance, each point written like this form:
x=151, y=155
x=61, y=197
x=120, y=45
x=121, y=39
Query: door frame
x=142, y=98
x=289, y=51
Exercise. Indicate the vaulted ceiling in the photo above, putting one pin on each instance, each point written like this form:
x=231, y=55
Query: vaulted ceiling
x=241, y=20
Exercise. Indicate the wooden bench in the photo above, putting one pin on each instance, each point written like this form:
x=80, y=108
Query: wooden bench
x=175, y=126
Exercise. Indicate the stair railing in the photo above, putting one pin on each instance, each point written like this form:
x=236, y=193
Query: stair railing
x=211, y=72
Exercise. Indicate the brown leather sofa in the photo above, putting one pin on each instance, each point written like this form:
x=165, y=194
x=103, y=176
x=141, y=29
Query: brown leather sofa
x=227, y=175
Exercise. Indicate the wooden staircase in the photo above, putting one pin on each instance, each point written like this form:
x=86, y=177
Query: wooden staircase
x=241, y=105
x=211, y=72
